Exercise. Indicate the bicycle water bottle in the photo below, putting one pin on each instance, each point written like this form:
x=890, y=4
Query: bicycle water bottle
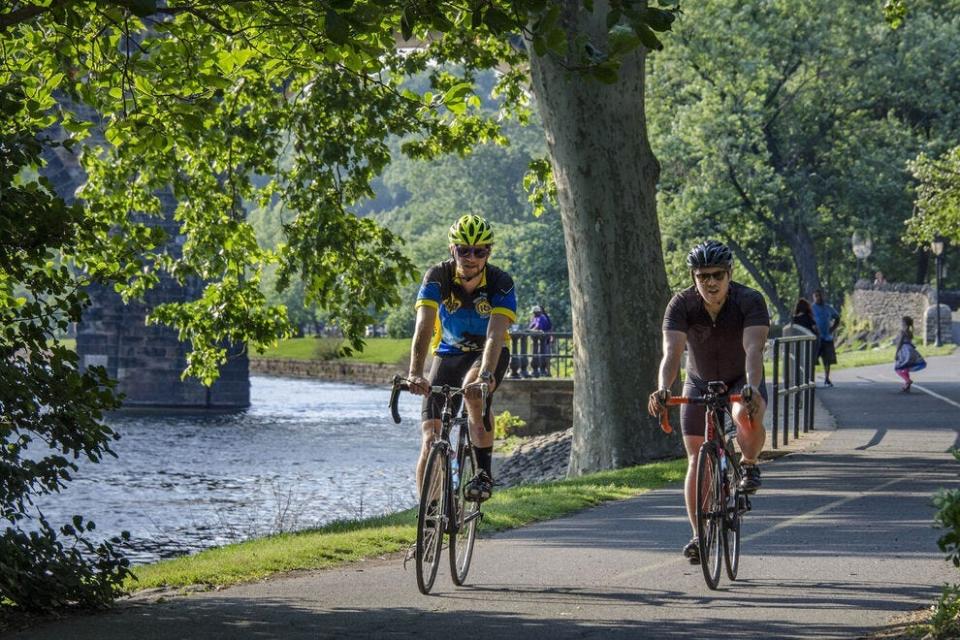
x=454, y=469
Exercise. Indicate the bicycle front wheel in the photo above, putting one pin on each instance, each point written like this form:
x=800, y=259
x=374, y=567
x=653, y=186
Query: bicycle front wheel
x=731, y=536
x=709, y=513
x=466, y=514
x=430, y=519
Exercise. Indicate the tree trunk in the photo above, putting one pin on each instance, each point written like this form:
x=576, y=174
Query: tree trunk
x=606, y=178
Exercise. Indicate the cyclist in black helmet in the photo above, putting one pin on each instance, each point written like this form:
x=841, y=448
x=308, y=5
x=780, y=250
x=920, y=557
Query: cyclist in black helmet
x=724, y=327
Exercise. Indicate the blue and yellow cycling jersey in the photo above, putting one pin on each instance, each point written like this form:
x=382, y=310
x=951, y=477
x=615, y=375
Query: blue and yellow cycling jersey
x=463, y=317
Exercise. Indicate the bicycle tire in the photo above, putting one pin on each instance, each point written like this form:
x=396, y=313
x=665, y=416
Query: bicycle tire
x=731, y=536
x=709, y=513
x=465, y=517
x=430, y=518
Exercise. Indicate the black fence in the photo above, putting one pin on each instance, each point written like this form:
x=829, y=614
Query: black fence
x=794, y=363
x=541, y=354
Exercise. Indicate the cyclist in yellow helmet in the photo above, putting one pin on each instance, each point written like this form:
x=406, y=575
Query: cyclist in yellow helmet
x=464, y=308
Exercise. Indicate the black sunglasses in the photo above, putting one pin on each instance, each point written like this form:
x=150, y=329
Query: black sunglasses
x=706, y=276
x=464, y=251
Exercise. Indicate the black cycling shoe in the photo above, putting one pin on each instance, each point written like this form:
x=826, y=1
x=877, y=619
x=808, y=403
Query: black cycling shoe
x=751, y=478
x=692, y=551
x=480, y=488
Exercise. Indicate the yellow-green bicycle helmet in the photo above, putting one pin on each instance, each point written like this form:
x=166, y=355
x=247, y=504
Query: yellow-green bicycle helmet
x=470, y=230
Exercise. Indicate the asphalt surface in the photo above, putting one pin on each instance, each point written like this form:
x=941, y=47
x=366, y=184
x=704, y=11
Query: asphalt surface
x=840, y=540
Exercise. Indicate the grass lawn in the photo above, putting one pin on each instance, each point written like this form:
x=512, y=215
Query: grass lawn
x=847, y=359
x=884, y=355
x=376, y=350
x=344, y=542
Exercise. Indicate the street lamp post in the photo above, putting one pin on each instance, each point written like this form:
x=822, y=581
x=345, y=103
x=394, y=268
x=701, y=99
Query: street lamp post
x=862, y=248
x=936, y=247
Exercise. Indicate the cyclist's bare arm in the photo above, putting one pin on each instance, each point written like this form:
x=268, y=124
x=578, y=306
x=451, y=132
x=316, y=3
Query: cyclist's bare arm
x=422, y=334
x=496, y=337
x=674, y=343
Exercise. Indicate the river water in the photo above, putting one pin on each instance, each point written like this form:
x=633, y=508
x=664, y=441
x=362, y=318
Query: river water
x=305, y=453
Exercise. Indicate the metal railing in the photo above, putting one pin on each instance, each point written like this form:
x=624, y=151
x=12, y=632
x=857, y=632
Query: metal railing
x=795, y=389
x=541, y=354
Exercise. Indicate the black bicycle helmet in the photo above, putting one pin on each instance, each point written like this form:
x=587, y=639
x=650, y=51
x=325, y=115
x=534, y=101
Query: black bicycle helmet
x=710, y=254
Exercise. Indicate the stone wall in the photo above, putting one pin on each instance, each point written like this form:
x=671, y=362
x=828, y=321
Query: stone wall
x=885, y=304
x=546, y=404
x=331, y=370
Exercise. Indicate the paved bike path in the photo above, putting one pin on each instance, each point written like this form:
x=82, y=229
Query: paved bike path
x=840, y=540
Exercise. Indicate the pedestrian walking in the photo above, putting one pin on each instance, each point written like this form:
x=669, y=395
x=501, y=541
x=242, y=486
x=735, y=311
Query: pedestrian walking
x=907, y=357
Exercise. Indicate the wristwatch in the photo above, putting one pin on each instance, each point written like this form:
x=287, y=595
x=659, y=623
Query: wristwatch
x=486, y=376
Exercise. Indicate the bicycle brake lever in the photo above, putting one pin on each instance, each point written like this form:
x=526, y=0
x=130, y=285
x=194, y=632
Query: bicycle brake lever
x=665, y=421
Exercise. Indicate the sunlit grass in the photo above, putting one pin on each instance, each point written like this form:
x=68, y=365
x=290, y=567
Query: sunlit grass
x=376, y=350
x=344, y=542
x=884, y=355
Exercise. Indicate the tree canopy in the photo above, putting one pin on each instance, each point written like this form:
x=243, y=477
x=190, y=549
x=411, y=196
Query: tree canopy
x=795, y=129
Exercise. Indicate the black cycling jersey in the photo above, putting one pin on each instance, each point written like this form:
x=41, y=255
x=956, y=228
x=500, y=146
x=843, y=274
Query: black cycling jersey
x=715, y=347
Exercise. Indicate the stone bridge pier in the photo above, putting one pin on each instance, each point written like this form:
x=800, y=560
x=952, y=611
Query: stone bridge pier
x=146, y=360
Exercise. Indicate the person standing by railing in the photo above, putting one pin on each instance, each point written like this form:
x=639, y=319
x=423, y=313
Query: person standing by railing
x=540, y=322
x=827, y=322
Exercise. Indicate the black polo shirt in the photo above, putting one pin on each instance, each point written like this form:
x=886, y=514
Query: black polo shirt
x=715, y=347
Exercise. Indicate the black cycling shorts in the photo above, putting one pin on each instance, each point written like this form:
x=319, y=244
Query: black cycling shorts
x=693, y=417
x=451, y=370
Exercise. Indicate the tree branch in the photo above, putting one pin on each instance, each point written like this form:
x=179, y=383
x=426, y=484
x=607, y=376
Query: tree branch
x=28, y=12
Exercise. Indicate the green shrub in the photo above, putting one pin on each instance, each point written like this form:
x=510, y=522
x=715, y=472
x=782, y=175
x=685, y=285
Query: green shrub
x=945, y=622
x=41, y=573
x=948, y=518
x=506, y=425
x=328, y=349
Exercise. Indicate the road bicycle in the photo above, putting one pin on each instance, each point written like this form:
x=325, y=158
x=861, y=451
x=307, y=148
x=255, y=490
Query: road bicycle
x=444, y=509
x=721, y=504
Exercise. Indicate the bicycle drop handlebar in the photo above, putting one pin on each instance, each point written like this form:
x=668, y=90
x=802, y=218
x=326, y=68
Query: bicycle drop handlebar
x=403, y=384
x=709, y=399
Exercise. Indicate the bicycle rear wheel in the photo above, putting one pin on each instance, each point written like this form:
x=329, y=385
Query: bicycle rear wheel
x=709, y=513
x=430, y=519
x=466, y=514
x=731, y=535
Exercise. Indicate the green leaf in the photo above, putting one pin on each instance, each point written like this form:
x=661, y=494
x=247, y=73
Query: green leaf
x=539, y=45
x=499, y=22
x=648, y=37
x=658, y=19
x=622, y=39
x=142, y=8
x=336, y=28
x=613, y=18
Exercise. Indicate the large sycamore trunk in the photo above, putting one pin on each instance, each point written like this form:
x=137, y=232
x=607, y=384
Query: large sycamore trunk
x=606, y=177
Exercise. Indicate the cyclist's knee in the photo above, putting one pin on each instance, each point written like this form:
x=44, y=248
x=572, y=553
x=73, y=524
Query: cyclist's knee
x=429, y=429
